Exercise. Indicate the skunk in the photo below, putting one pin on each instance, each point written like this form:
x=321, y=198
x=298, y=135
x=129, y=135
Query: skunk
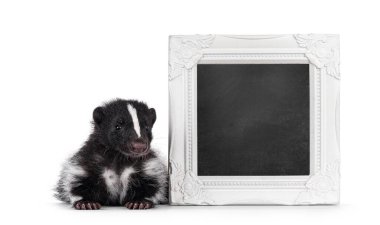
x=116, y=166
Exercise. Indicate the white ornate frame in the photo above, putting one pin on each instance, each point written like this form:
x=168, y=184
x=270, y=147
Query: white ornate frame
x=321, y=52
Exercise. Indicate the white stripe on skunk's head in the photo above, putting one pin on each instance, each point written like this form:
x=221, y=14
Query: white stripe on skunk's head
x=125, y=126
x=135, y=120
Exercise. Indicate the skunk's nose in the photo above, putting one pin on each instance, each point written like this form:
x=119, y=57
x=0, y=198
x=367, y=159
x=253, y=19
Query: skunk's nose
x=139, y=146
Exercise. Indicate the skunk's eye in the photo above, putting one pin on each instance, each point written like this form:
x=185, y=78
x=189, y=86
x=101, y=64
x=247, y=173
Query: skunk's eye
x=147, y=128
x=118, y=127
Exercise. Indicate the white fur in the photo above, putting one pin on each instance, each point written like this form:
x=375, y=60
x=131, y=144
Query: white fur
x=135, y=119
x=124, y=180
x=112, y=181
x=156, y=168
x=71, y=171
x=74, y=198
x=117, y=185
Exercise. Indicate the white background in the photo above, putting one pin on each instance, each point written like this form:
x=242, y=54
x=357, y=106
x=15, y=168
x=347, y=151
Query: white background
x=61, y=59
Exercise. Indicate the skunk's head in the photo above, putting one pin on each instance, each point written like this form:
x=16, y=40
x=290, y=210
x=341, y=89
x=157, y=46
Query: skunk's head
x=125, y=126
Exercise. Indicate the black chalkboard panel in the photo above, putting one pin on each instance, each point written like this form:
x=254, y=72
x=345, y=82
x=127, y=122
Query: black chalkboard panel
x=253, y=119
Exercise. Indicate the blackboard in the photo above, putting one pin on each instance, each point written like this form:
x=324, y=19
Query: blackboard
x=253, y=119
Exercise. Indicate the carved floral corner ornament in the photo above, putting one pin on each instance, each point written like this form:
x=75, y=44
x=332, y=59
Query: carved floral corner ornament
x=188, y=186
x=322, y=51
x=186, y=51
x=322, y=188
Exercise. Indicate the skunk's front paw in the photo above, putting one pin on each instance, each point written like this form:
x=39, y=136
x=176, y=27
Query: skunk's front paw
x=144, y=204
x=86, y=205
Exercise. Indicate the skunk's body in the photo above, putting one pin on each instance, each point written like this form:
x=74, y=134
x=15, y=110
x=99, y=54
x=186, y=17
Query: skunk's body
x=116, y=165
x=111, y=179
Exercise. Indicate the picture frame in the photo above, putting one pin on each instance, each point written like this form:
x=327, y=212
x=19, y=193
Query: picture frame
x=321, y=184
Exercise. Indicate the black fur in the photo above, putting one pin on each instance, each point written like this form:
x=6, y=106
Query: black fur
x=111, y=146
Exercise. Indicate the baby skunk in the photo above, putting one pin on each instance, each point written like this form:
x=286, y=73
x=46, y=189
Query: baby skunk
x=116, y=165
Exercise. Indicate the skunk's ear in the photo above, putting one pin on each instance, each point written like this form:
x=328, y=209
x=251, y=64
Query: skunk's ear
x=98, y=115
x=152, y=115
